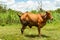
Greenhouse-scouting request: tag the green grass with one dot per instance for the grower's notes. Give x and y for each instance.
(12, 32)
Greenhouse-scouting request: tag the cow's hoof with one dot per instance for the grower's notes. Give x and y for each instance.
(39, 35)
(30, 26)
(21, 32)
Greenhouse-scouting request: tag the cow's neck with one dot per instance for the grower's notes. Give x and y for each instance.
(45, 18)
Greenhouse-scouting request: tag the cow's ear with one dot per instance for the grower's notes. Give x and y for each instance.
(45, 16)
(47, 12)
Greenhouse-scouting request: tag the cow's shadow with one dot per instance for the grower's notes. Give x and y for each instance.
(33, 36)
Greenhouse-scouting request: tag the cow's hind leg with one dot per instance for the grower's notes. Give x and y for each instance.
(22, 29)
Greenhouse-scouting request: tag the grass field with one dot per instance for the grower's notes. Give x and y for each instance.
(12, 32)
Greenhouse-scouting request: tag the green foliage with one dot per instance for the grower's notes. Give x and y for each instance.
(41, 10)
(58, 10)
(34, 11)
(8, 17)
(2, 8)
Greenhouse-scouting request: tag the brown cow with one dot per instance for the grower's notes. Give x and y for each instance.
(38, 20)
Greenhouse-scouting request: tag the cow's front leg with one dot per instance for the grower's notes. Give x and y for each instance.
(30, 26)
(22, 29)
(39, 31)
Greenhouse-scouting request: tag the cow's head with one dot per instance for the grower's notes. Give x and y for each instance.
(49, 16)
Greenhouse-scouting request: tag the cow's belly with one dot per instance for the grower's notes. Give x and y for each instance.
(32, 24)
(36, 24)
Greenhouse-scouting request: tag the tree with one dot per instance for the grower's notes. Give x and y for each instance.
(34, 11)
(40, 5)
(2, 7)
